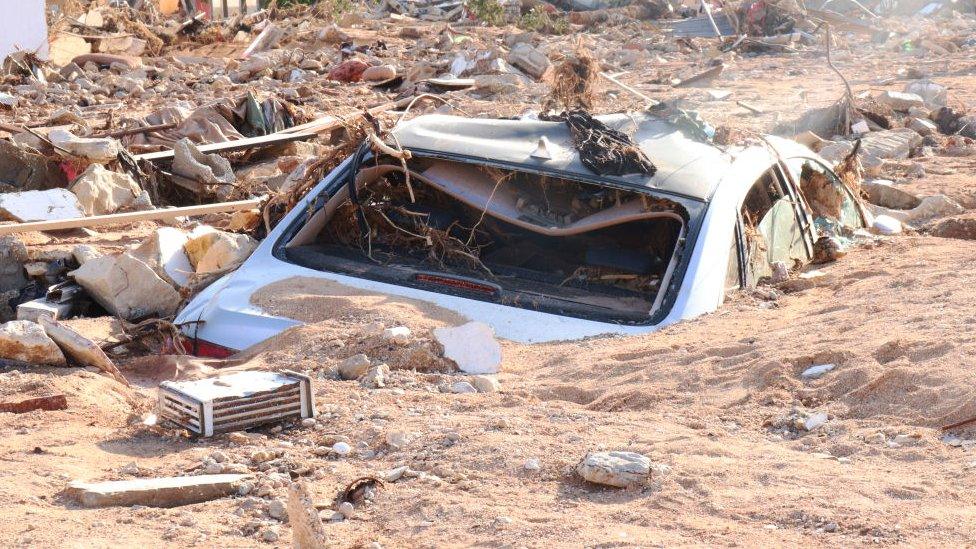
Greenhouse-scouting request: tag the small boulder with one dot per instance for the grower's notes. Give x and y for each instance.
(900, 101)
(934, 95)
(379, 73)
(127, 287)
(27, 342)
(354, 367)
(619, 469)
(218, 251)
(48, 205)
(529, 59)
(163, 252)
(462, 387)
(101, 191)
(923, 126)
(485, 384)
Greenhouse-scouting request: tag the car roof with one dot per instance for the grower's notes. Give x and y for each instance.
(684, 166)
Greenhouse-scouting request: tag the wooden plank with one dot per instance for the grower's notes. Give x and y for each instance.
(154, 492)
(130, 217)
(231, 146)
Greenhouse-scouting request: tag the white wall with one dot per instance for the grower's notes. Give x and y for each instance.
(23, 27)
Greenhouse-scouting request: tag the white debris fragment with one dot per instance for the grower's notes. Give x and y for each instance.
(472, 346)
(814, 372)
(815, 421)
(399, 335)
(886, 225)
(342, 448)
(620, 469)
(46, 205)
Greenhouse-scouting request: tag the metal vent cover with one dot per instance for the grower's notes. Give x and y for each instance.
(236, 402)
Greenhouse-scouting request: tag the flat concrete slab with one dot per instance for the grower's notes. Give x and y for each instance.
(154, 492)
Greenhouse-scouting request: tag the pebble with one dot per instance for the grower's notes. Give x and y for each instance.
(269, 535)
(346, 509)
(485, 384)
(532, 464)
(342, 448)
(814, 372)
(463, 387)
(399, 335)
(815, 421)
(276, 509)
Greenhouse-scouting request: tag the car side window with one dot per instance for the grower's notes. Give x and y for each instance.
(825, 194)
(772, 231)
(733, 275)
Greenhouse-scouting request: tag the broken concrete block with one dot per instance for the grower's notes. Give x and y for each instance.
(65, 47)
(934, 95)
(80, 348)
(472, 347)
(13, 255)
(47, 403)
(219, 251)
(163, 251)
(498, 83)
(155, 492)
(127, 287)
(35, 309)
(900, 101)
(307, 529)
(835, 151)
(83, 253)
(211, 170)
(26, 341)
(883, 193)
(923, 126)
(101, 191)
(40, 206)
(95, 149)
(619, 469)
(529, 59)
(890, 144)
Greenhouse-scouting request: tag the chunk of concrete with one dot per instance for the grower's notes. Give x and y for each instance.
(900, 101)
(472, 347)
(101, 191)
(618, 469)
(40, 206)
(80, 348)
(163, 252)
(33, 310)
(890, 144)
(155, 492)
(883, 193)
(934, 95)
(26, 341)
(127, 287)
(219, 251)
(211, 170)
(101, 149)
(923, 126)
(46, 403)
(835, 151)
(308, 532)
(529, 59)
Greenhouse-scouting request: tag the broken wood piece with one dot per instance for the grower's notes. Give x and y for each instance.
(135, 131)
(154, 492)
(307, 529)
(232, 146)
(48, 403)
(625, 87)
(80, 348)
(130, 217)
(701, 77)
(750, 107)
(265, 39)
(329, 123)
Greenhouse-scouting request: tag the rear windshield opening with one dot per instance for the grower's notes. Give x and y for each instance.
(513, 238)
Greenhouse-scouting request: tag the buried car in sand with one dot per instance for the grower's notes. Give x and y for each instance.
(501, 222)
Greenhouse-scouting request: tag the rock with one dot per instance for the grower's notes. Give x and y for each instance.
(932, 94)
(27, 342)
(164, 252)
(930, 207)
(814, 372)
(354, 367)
(815, 421)
(84, 253)
(83, 350)
(379, 73)
(342, 448)
(244, 220)
(13, 255)
(399, 335)
(619, 469)
(882, 193)
(276, 509)
(350, 70)
(269, 535)
(886, 225)
(963, 227)
(127, 287)
(398, 439)
(900, 101)
(923, 126)
(307, 529)
(375, 378)
(498, 83)
(154, 492)
(211, 170)
(532, 464)
(461, 387)
(101, 191)
(485, 384)
(890, 144)
(780, 272)
(529, 59)
(94, 149)
(46, 205)
(347, 509)
(218, 251)
(472, 347)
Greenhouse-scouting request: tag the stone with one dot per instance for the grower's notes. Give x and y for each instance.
(923, 126)
(13, 255)
(815, 421)
(276, 509)
(780, 272)
(930, 207)
(269, 535)
(532, 464)
(34, 309)
(814, 372)
(498, 83)
(485, 384)
(211, 170)
(461, 387)
(398, 439)
(472, 347)
(83, 350)
(900, 101)
(164, 252)
(127, 287)
(48, 205)
(354, 367)
(218, 251)
(932, 94)
(618, 469)
(341, 448)
(27, 342)
(886, 225)
(307, 529)
(347, 509)
(94, 149)
(379, 73)
(154, 492)
(882, 192)
(893, 144)
(529, 59)
(399, 335)
(375, 377)
(84, 253)
(101, 191)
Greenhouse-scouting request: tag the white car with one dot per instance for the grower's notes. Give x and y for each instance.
(501, 222)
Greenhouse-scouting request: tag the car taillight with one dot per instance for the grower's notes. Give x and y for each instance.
(205, 349)
(457, 283)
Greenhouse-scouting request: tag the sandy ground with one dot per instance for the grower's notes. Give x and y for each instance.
(712, 401)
